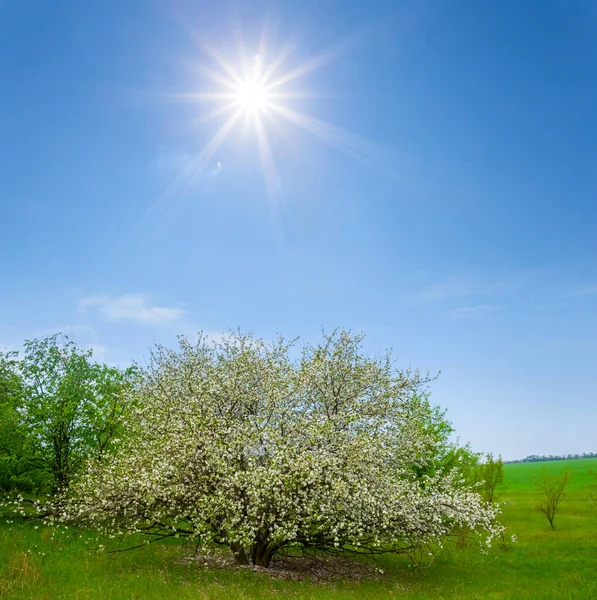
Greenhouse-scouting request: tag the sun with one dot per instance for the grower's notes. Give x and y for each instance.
(261, 90)
(252, 96)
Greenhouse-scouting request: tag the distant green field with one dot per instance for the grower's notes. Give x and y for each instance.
(556, 565)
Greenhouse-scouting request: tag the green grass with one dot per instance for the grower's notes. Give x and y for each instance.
(560, 564)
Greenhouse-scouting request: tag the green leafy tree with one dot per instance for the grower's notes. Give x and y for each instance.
(444, 453)
(105, 410)
(241, 445)
(56, 376)
(14, 457)
(10, 397)
(489, 474)
(552, 488)
(69, 408)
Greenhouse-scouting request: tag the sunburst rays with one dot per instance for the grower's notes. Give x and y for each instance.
(258, 90)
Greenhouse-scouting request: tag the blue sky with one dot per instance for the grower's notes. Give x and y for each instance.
(446, 206)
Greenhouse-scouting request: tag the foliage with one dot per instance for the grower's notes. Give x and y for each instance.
(489, 474)
(17, 469)
(551, 457)
(59, 408)
(443, 454)
(239, 444)
(552, 488)
(35, 565)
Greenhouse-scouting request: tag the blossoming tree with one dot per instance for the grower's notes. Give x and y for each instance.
(258, 447)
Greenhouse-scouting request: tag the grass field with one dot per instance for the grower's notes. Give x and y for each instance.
(558, 565)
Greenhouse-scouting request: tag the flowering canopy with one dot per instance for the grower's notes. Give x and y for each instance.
(240, 444)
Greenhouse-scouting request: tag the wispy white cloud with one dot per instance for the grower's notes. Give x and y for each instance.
(99, 350)
(471, 287)
(458, 287)
(132, 307)
(479, 312)
(84, 336)
(81, 334)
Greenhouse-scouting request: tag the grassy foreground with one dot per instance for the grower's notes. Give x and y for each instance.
(559, 564)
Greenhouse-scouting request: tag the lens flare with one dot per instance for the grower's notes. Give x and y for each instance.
(258, 91)
(252, 96)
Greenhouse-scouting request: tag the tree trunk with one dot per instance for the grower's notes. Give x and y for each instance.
(262, 554)
(239, 554)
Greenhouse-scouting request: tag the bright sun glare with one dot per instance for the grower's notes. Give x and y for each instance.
(252, 96)
(258, 90)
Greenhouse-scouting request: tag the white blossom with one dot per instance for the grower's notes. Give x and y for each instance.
(239, 444)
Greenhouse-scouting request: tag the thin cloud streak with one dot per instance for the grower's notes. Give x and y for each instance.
(480, 312)
(132, 307)
(477, 284)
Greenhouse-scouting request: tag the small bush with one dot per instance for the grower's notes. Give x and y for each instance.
(552, 488)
